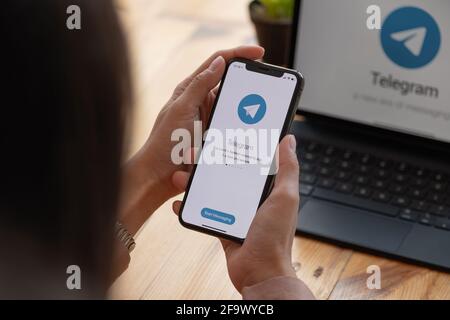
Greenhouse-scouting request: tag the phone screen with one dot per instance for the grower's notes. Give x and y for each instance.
(239, 148)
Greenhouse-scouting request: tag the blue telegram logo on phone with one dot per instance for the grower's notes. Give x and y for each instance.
(252, 109)
(410, 37)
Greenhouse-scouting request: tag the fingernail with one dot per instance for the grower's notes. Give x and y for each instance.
(292, 143)
(216, 63)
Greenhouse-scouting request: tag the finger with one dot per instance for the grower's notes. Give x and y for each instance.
(280, 210)
(229, 246)
(205, 110)
(189, 155)
(288, 172)
(214, 92)
(197, 91)
(192, 154)
(176, 206)
(180, 180)
(248, 52)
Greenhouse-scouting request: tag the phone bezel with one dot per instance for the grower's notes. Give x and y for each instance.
(263, 68)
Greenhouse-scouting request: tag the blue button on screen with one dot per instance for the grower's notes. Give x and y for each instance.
(218, 216)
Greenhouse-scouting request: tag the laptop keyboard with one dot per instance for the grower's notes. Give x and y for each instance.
(396, 189)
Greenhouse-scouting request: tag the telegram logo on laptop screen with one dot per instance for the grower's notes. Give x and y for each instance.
(395, 78)
(410, 37)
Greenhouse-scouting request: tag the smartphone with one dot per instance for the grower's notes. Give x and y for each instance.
(232, 177)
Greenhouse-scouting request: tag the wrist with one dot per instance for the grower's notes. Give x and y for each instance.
(142, 193)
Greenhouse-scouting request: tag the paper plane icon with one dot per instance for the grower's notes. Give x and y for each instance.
(252, 110)
(413, 39)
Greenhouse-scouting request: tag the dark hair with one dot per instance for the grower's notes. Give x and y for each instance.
(62, 129)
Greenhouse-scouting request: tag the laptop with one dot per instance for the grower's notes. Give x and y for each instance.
(374, 146)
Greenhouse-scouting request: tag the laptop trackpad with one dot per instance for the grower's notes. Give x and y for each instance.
(427, 244)
(352, 225)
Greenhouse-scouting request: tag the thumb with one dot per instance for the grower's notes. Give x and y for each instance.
(199, 88)
(278, 214)
(288, 172)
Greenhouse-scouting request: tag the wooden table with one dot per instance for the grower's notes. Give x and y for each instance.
(168, 39)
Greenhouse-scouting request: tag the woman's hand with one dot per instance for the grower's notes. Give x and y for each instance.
(147, 175)
(266, 252)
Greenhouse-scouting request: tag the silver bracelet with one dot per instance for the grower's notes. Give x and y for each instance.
(125, 237)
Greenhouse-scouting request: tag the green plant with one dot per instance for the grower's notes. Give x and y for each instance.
(278, 9)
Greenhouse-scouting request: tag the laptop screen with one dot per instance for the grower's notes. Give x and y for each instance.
(397, 77)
